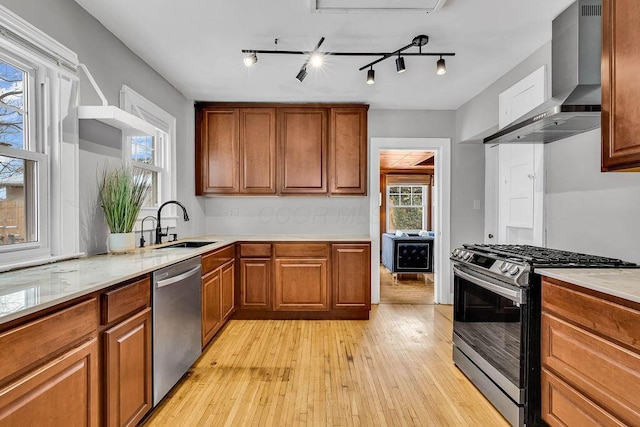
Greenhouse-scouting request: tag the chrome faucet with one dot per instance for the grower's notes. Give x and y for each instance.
(142, 240)
(159, 233)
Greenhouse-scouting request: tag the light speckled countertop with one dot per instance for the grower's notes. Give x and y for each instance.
(619, 282)
(32, 289)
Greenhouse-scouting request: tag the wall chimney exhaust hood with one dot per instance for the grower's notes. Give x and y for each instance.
(576, 100)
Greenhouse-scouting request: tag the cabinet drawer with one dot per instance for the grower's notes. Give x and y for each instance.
(302, 250)
(606, 373)
(46, 336)
(604, 317)
(562, 405)
(213, 260)
(125, 300)
(259, 250)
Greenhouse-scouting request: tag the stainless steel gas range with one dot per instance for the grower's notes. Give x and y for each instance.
(496, 327)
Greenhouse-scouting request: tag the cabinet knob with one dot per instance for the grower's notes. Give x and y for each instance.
(490, 236)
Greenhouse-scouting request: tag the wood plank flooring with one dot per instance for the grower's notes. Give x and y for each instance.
(392, 370)
(412, 291)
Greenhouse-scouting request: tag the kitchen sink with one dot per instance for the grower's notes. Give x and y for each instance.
(188, 244)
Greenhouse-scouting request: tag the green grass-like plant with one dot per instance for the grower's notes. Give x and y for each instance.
(121, 192)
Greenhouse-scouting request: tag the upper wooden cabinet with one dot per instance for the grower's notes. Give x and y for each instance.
(302, 138)
(235, 151)
(620, 88)
(348, 151)
(287, 149)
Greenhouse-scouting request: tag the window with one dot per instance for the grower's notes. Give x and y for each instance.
(406, 207)
(153, 155)
(38, 146)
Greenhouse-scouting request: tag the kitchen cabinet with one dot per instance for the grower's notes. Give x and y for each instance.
(302, 140)
(620, 89)
(590, 355)
(218, 283)
(351, 276)
(301, 277)
(285, 149)
(50, 376)
(126, 314)
(235, 150)
(255, 276)
(348, 151)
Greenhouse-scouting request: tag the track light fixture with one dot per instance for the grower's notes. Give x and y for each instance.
(315, 57)
(400, 68)
(250, 59)
(441, 67)
(371, 76)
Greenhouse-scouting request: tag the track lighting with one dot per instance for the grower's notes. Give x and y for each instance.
(371, 76)
(441, 67)
(302, 74)
(400, 68)
(315, 58)
(250, 59)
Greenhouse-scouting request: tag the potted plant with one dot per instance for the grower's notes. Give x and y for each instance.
(121, 192)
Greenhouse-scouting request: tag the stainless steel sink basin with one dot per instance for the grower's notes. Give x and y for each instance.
(188, 244)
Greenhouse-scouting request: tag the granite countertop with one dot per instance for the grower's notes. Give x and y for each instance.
(619, 282)
(29, 290)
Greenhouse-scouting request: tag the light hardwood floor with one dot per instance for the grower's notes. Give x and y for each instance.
(393, 370)
(405, 291)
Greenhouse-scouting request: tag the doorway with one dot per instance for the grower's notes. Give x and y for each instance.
(406, 227)
(440, 220)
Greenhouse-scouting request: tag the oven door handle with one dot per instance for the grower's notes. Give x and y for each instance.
(511, 294)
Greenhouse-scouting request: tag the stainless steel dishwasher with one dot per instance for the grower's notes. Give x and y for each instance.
(177, 302)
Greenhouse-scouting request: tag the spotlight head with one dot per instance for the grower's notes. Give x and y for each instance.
(371, 76)
(400, 68)
(301, 74)
(250, 59)
(441, 67)
(316, 59)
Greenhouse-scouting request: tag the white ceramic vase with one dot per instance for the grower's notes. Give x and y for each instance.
(120, 243)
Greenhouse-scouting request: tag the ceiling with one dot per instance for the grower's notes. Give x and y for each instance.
(196, 45)
(406, 160)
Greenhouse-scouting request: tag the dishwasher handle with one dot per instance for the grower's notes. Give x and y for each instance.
(178, 278)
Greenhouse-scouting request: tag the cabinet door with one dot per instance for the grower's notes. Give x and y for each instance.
(227, 274)
(255, 283)
(351, 276)
(620, 89)
(258, 150)
(61, 393)
(128, 370)
(211, 305)
(302, 139)
(348, 151)
(301, 284)
(217, 151)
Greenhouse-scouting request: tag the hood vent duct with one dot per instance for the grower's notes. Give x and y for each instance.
(575, 105)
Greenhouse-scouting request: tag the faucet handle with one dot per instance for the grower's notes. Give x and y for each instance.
(174, 237)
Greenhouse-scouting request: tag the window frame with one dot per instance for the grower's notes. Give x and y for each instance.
(165, 141)
(52, 140)
(390, 206)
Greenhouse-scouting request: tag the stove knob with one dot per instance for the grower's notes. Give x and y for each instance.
(504, 267)
(514, 270)
(455, 253)
(468, 255)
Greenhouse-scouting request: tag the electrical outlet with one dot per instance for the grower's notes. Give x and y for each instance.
(233, 212)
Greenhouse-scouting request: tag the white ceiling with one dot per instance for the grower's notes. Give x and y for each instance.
(196, 45)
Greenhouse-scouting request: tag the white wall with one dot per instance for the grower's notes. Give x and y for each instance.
(113, 64)
(587, 210)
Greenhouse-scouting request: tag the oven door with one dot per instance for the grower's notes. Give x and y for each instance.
(490, 324)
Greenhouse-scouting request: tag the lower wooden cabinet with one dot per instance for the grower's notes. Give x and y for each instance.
(218, 301)
(351, 276)
(301, 284)
(255, 283)
(64, 392)
(128, 370)
(590, 354)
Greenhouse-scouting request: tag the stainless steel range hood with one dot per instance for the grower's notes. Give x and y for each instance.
(575, 80)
